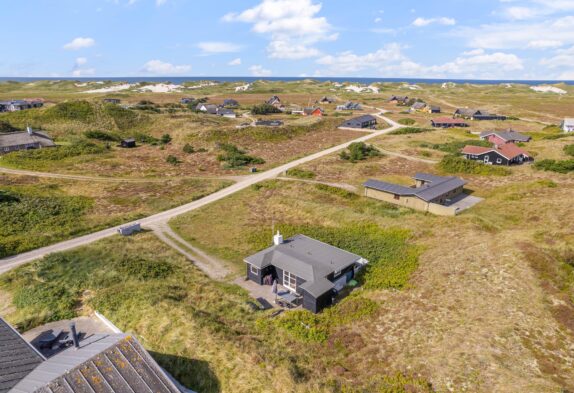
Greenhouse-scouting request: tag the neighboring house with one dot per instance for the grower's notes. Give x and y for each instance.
(431, 193)
(224, 112)
(315, 270)
(477, 114)
(433, 109)
(505, 154)
(400, 100)
(350, 106)
(275, 101)
(448, 122)
(186, 100)
(231, 103)
(366, 121)
(24, 140)
(269, 123)
(128, 143)
(18, 358)
(112, 100)
(567, 125)
(500, 137)
(20, 105)
(318, 112)
(207, 108)
(418, 106)
(106, 363)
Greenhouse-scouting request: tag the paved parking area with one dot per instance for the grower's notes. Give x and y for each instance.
(464, 202)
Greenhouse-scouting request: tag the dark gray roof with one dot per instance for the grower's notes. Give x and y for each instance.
(24, 138)
(435, 108)
(103, 363)
(362, 119)
(307, 258)
(471, 112)
(17, 357)
(435, 187)
(509, 136)
(419, 105)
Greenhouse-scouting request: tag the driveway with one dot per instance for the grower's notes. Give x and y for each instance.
(464, 201)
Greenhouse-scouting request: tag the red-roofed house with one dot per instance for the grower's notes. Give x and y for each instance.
(448, 122)
(505, 154)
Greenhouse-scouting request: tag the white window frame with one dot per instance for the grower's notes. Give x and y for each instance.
(288, 278)
(499, 160)
(254, 269)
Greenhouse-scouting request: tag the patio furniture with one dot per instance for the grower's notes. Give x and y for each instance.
(288, 300)
(49, 339)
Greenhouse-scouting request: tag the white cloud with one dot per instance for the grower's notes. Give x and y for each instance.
(159, 3)
(537, 8)
(292, 25)
(235, 62)
(563, 58)
(391, 61)
(257, 70)
(158, 67)
(544, 44)
(80, 61)
(421, 22)
(80, 43)
(218, 47)
(378, 20)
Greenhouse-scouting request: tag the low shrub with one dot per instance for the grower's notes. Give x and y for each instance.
(569, 149)
(173, 160)
(359, 151)
(233, 157)
(559, 166)
(410, 130)
(457, 165)
(301, 173)
(406, 122)
(264, 109)
(456, 146)
(188, 149)
(7, 127)
(102, 136)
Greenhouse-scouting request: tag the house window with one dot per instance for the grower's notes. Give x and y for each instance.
(397, 197)
(499, 160)
(289, 281)
(254, 270)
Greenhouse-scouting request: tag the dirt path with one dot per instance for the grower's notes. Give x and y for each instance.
(214, 268)
(12, 262)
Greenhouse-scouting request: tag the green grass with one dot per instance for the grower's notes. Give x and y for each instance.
(410, 130)
(559, 166)
(457, 165)
(301, 173)
(406, 122)
(456, 146)
(569, 150)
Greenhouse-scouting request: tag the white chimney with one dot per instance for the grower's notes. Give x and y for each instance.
(278, 239)
(29, 129)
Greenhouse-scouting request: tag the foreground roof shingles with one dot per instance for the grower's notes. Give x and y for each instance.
(17, 357)
(23, 138)
(103, 363)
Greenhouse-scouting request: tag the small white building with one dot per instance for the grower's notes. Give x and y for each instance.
(568, 125)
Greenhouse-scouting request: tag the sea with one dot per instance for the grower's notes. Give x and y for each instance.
(250, 79)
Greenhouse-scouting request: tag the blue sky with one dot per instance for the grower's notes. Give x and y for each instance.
(488, 39)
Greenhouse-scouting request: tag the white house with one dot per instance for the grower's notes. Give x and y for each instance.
(568, 125)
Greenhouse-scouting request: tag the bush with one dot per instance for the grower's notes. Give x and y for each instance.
(74, 110)
(188, 149)
(454, 165)
(264, 109)
(560, 166)
(406, 122)
(7, 127)
(569, 149)
(145, 269)
(410, 130)
(173, 160)
(102, 136)
(235, 157)
(301, 173)
(165, 139)
(359, 151)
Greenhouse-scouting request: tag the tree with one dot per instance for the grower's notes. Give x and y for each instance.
(264, 109)
(359, 151)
